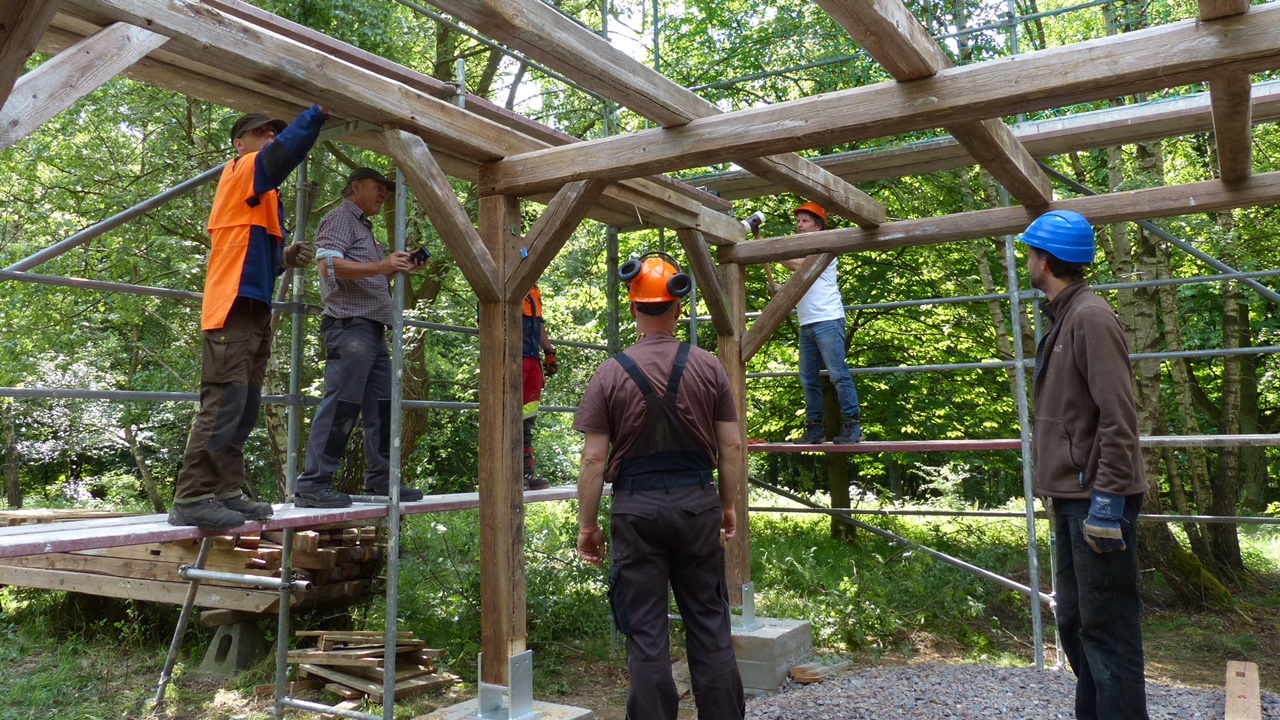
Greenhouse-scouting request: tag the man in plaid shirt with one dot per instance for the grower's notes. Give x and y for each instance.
(355, 282)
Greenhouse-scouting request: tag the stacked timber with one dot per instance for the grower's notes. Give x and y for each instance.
(340, 561)
(351, 664)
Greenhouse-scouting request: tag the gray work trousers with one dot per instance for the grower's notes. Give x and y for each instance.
(671, 538)
(357, 382)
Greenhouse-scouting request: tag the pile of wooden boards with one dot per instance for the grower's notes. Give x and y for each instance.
(350, 664)
(339, 560)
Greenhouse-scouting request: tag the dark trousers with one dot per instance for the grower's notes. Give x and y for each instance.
(672, 538)
(357, 382)
(1098, 615)
(233, 366)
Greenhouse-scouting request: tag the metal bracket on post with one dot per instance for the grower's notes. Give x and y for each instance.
(490, 701)
(749, 621)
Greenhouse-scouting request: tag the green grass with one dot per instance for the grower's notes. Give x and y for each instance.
(83, 658)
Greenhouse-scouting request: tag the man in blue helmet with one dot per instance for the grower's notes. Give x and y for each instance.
(1088, 467)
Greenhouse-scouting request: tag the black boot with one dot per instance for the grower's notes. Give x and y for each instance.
(207, 514)
(813, 435)
(249, 509)
(851, 432)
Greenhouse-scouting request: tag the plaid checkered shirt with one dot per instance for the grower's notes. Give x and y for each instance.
(346, 233)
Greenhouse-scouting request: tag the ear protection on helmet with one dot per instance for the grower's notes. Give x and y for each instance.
(654, 277)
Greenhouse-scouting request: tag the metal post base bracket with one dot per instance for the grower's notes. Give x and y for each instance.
(490, 701)
(749, 621)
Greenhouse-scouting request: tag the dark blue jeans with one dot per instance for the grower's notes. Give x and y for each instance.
(822, 343)
(357, 382)
(1098, 615)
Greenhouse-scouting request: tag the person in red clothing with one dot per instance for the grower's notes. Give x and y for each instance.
(246, 228)
(536, 370)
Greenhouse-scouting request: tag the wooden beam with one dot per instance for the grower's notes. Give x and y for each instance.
(174, 593)
(552, 230)
(502, 578)
(737, 553)
(59, 83)
(1055, 136)
(236, 51)
(704, 272)
(780, 307)
(441, 204)
(22, 22)
(1193, 198)
(795, 174)
(1244, 701)
(1214, 9)
(1233, 125)
(544, 34)
(1155, 58)
(893, 36)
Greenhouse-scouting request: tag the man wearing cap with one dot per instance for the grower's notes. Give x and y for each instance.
(659, 419)
(247, 253)
(355, 283)
(1088, 467)
(822, 332)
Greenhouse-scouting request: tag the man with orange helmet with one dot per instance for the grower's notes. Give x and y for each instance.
(822, 333)
(247, 253)
(667, 411)
(536, 370)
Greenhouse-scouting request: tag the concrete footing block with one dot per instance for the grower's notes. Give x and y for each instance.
(767, 652)
(549, 711)
(235, 647)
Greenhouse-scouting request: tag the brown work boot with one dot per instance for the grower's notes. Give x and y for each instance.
(249, 509)
(207, 514)
(533, 482)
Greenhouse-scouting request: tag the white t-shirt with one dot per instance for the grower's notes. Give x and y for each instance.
(823, 301)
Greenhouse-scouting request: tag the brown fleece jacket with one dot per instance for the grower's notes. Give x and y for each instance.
(1086, 421)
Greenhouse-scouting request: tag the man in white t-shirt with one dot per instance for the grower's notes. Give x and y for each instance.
(822, 343)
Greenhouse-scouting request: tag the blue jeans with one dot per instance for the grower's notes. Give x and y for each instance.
(822, 343)
(1098, 607)
(357, 382)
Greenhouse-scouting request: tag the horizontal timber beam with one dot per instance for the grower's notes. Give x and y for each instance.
(1125, 125)
(241, 60)
(541, 32)
(1151, 59)
(1172, 201)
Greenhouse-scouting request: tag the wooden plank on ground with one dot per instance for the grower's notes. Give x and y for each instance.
(174, 593)
(290, 688)
(1244, 702)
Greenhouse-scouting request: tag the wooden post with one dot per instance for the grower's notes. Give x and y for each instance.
(729, 347)
(502, 579)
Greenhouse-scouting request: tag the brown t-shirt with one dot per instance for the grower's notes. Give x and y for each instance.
(614, 406)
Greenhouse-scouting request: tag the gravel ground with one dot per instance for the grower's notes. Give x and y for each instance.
(935, 692)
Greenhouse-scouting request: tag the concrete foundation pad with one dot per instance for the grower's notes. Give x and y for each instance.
(235, 647)
(549, 711)
(767, 652)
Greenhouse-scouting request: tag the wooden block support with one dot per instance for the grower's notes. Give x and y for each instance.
(1244, 701)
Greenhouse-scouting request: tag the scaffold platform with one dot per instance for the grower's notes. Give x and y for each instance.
(892, 446)
(97, 533)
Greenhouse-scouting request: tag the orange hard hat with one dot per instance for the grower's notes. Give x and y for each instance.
(815, 208)
(654, 278)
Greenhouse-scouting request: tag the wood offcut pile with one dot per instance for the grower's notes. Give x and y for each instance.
(340, 561)
(350, 664)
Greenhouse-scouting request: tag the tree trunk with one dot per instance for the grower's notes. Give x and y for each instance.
(144, 470)
(12, 486)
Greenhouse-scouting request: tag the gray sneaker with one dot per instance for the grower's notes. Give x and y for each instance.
(249, 509)
(208, 514)
(322, 498)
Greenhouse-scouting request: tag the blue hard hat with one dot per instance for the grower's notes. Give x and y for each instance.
(1065, 234)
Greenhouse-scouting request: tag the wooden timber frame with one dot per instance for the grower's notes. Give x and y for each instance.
(229, 53)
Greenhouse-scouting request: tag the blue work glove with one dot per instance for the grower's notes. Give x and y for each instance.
(1102, 528)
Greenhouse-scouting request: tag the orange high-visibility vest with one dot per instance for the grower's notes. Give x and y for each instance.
(230, 222)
